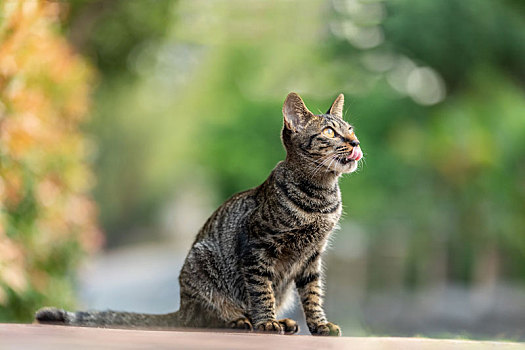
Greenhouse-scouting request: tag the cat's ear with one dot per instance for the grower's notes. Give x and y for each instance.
(295, 112)
(337, 106)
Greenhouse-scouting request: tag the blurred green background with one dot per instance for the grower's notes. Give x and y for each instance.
(185, 111)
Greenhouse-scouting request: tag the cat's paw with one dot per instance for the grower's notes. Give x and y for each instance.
(289, 326)
(271, 326)
(242, 323)
(327, 328)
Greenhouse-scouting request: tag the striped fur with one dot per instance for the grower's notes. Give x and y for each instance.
(261, 243)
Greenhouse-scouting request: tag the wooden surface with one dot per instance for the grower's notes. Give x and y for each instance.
(27, 337)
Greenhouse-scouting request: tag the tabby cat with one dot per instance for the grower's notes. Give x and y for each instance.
(242, 266)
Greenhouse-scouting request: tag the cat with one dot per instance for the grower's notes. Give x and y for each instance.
(248, 255)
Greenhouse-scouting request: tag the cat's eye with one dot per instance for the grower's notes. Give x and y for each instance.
(328, 132)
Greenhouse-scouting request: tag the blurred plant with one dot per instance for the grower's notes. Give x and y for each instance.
(196, 86)
(116, 36)
(446, 180)
(47, 219)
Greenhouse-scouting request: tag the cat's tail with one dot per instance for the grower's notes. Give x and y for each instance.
(106, 319)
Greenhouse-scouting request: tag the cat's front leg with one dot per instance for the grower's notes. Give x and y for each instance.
(261, 299)
(310, 290)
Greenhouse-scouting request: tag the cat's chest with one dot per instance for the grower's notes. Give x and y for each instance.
(311, 233)
(296, 245)
(294, 249)
(321, 223)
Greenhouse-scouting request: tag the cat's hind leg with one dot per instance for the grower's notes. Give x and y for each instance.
(199, 311)
(204, 287)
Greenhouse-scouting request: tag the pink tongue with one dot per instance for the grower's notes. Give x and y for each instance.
(359, 154)
(356, 154)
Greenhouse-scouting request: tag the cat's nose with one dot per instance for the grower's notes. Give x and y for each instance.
(354, 143)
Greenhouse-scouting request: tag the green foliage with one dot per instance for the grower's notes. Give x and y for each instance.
(108, 31)
(456, 36)
(117, 37)
(448, 175)
(446, 180)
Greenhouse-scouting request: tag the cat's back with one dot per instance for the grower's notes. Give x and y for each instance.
(229, 218)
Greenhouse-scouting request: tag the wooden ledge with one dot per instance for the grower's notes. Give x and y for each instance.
(43, 337)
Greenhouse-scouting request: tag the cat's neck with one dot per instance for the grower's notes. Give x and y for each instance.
(302, 170)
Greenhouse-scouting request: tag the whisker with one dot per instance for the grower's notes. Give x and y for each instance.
(328, 157)
(329, 165)
(318, 165)
(334, 157)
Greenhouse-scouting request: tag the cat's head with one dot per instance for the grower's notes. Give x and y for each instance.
(323, 142)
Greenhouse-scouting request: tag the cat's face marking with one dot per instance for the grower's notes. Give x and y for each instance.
(325, 141)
